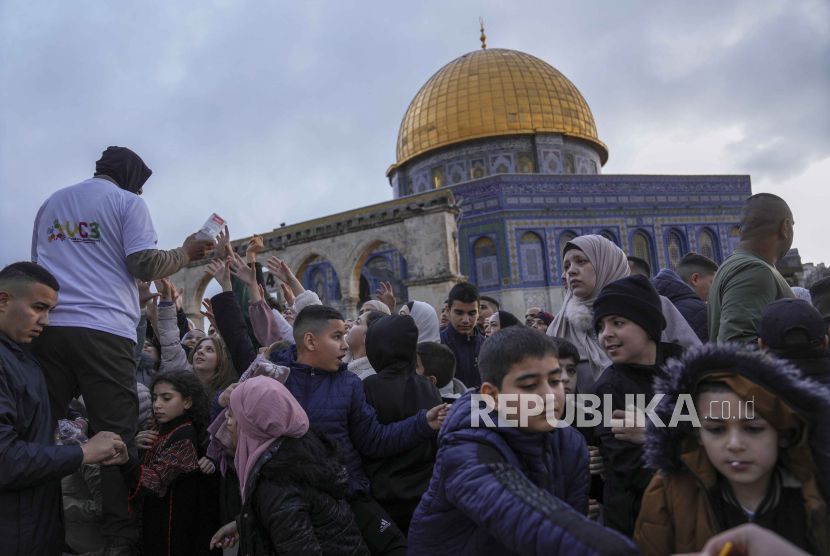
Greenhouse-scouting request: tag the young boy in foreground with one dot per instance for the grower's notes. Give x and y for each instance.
(511, 490)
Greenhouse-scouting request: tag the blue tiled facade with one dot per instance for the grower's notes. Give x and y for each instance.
(697, 213)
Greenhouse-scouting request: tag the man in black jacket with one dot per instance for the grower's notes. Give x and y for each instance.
(462, 336)
(31, 466)
(396, 392)
(688, 290)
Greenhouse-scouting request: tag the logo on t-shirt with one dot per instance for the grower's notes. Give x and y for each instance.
(84, 232)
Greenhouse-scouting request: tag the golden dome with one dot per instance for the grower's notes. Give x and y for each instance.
(493, 92)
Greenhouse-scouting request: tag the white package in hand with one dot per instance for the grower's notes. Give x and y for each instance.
(212, 227)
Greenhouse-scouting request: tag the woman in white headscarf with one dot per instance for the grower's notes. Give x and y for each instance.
(591, 262)
(426, 319)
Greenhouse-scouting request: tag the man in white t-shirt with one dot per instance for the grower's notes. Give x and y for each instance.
(97, 238)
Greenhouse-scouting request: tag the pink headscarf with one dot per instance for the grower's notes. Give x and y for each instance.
(574, 322)
(264, 411)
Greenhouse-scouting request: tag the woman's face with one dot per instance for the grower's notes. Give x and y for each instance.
(580, 274)
(205, 358)
(356, 337)
(231, 425)
(492, 325)
(289, 316)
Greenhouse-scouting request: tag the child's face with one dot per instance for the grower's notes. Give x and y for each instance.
(463, 316)
(356, 335)
(328, 348)
(568, 365)
(205, 358)
(626, 342)
(540, 377)
(741, 445)
(151, 350)
(231, 426)
(168, 403)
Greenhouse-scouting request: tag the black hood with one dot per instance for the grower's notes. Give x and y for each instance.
(125, 167)
(391, 344)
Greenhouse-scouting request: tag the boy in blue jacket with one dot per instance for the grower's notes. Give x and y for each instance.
(500, 489)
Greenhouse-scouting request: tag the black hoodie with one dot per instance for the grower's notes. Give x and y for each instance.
(398, 392)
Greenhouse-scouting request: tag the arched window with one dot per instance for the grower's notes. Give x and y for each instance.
(486, 262)
(531, 255)
(706, 244)
(609, 235)
(641, 247)
(675, 248)
(320, 277)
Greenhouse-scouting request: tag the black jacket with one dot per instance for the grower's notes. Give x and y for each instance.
(31, 466)
(691, 306)
(398, 392)
(466, 350)
(814, 363)
(626, 477)
(295, 502)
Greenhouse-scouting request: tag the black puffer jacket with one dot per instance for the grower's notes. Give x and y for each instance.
(397, 392)
(295, 502)
(693, 308)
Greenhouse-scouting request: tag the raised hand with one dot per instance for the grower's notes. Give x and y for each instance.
(386, 295)
(208, 312)
(195, 248)
(242, 271)
(255, 245)
(278, 268)
(166, 289)
(436, 416)
(144, 293)
(221, 272)
(288, 295)
(223, 243)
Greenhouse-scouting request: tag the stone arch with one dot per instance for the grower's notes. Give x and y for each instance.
(318, 274)
(361, 282)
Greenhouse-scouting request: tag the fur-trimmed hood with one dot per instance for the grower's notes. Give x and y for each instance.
(809, 399)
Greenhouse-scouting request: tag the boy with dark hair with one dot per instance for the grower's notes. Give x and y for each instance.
(335, 402)
(32, 466)
(792, 329)
(698, 272)
(629, 323)
(486, 307)
(461, 335)
(639, 266)
(688, 290)
(498, 489)
(437, 363)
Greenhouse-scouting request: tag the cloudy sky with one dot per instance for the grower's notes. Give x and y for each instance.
(270, 112)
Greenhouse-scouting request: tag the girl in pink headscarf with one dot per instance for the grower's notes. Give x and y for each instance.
(293, 485)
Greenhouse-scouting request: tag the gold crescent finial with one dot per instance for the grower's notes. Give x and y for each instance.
(483, 37)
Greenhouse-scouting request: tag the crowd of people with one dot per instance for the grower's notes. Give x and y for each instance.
(286, 428)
